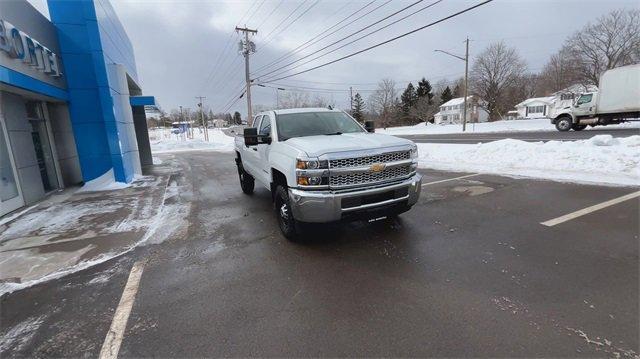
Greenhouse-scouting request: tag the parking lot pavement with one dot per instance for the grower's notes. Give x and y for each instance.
(469, 271)
(551, 135)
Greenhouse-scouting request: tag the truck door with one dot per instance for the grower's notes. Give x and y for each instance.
(263, 151)
(585, 106)
(250, 157)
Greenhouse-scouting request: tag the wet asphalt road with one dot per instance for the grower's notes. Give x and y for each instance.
(551, 135)
(469, 271)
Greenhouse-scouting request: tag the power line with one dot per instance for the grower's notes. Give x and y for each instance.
(237, 95)
(255, 11)
(292, 22)
(356, 40)
(271, 13)
(297, 49)
(285, 19)
(346, 37)
(219, 61)
(385, 42)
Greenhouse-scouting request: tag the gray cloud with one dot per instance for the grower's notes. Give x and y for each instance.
(178, 42)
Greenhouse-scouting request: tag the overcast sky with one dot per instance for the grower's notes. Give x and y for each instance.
(177, 43)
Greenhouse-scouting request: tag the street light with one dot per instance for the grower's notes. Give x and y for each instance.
(466, 80)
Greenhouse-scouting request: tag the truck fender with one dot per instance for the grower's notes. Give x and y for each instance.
(281, 162)
(564, 114)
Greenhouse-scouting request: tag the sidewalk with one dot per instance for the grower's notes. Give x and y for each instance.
(73, 229)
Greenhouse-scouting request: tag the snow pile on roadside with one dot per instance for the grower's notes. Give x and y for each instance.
(488, 127)
(163, 141)
(602, 159)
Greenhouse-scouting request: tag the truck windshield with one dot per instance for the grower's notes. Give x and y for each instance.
(314, 124)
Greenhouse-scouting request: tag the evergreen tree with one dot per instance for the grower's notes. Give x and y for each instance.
(457, 91)
(408, 99)
(446, 95)
(227, 117)
(424, 89)
(237, 119)
(357, 107)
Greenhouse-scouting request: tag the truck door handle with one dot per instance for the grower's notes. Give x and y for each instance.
(254, 148)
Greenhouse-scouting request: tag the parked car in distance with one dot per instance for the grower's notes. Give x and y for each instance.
(321, 165)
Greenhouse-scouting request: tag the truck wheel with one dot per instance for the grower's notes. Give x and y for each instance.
(563, 124)
(577, 127)
(247, 183)
(288, 225)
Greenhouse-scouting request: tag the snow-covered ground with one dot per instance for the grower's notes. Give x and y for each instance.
(487, 127)
(602, 159)
(163, 141)
(78, 228)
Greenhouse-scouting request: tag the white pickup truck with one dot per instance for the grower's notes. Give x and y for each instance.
(321, 165)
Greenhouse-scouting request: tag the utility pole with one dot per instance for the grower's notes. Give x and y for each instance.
(182, 123)
(204, 125)
(247, 48)
(466, 85)
(466, 80)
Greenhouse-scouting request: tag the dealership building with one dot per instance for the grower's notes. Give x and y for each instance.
(71, 105)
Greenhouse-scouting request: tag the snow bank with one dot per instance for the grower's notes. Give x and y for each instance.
(488, 127)
(602, 159)
(106, 182)
(163, 141)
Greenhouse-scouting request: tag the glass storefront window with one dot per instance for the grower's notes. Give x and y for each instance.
(8, 185)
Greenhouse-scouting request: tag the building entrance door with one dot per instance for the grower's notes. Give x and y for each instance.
(10, 194)
(42, 146)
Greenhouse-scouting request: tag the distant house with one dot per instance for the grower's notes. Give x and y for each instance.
(536, 107)
(452, 111)
(217, 122)
(547, 107)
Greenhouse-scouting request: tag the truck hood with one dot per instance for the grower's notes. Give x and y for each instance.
(316, 146)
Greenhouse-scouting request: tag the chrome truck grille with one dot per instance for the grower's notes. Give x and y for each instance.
(357, 171)
(369, 160)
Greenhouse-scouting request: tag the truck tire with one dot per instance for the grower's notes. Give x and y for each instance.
(247, 182)
(289, 227)
(563, 124)
(577, 127)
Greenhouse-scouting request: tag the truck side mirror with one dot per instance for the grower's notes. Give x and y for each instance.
(369, 126)
(250, 136)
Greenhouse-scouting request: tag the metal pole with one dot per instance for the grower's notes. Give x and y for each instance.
(204, 125)
(182, 123)
(247, 48)
(466, 83)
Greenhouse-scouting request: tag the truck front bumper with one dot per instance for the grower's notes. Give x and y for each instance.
(329, 206)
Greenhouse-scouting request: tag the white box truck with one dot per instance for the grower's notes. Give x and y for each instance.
(616, 101)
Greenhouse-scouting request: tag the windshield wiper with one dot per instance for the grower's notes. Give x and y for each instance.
(333, 134)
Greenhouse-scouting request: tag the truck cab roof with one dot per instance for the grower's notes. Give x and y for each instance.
(303, 110)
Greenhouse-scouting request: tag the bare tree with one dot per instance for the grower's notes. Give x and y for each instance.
(558, 73)
(320, 101)
(612, 41)
(424, 111)
(495, 71)
(294, 99)
(382, 101)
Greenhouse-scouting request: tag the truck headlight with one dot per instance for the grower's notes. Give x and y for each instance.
(414, 152)
(311, 164)
(310, 181)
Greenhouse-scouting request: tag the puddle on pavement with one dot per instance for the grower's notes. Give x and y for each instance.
(472, 190)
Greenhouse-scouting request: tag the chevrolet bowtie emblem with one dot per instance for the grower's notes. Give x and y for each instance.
(378, 167)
